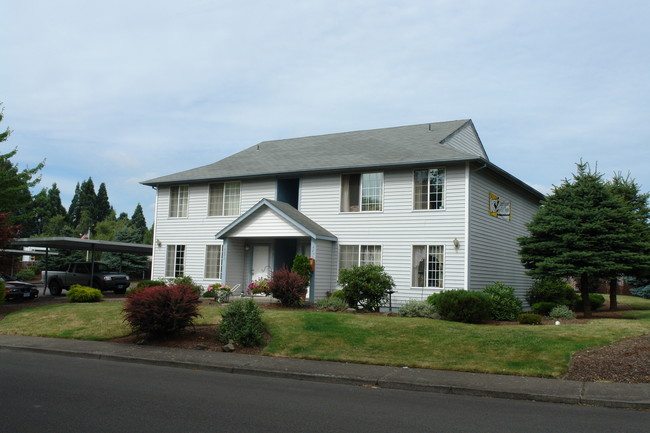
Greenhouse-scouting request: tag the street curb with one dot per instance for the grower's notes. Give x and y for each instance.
(609, 395)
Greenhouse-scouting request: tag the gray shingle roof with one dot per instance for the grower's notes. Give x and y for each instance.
(398, 146)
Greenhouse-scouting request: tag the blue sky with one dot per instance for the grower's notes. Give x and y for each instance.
(125, 91)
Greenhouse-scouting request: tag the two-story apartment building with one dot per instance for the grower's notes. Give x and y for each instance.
(424, 201)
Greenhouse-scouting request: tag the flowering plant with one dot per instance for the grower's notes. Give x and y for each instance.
(261, 285)
(219, 292)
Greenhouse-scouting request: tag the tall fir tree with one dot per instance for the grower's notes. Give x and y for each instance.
(54, 201)
(74, 211)
(103, 206)
(138, 223)
(581, 231)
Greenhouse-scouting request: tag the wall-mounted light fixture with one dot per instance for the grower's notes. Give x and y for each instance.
(456, 243)
(158, 243)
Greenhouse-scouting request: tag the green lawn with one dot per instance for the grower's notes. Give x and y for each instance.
(517, 349)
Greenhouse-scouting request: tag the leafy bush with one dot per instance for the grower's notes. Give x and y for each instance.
(143, 285)
(302, 266)
(462, 305)
(543, 308)
(529, 319)
(26, 274)
(596, 300)
(287, 286)
(641, 292)
(415, 308)
(365, 286)
(551, 290)
(3, 291)
(162, 310)
(78, 293)
(338, 294)
(185, 281)
(332, 304)
(242, 323)
(562, 312)
(505, 304)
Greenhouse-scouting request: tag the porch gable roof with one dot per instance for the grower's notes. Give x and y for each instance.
(288, 213)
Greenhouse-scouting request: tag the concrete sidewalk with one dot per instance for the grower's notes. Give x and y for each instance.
(616, 395)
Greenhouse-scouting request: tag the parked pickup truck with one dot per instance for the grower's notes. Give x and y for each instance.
(79, 273)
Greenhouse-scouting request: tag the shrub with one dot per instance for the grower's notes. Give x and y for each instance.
(143, 285)
(340, 295)
(641, 292)
(185, 281)
(26, 274)
(162, 310)
(365, 286)
(332, 304)
(462, 305)
(551, 290)
(287, 286)
(505, 304)
(562, 312)
(415, 308)
(529, 319)
(596, 300)
(242, 323)
(302, 266)
(78, 293)
(3, 291)
(543, 308)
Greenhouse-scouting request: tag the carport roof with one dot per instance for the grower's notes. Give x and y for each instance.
(84, 244)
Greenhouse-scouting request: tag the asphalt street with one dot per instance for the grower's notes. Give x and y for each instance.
(50, 393)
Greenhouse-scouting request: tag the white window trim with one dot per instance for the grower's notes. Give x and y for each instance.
(360, 211)
(426, 271)
(174, 260)
(381, 253)
(238, 212)
(219, 276)
(444, 191)
(187, 212)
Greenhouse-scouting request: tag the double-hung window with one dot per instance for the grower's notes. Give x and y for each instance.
(359, 255)
(224, 198)
(429, 189)
(178, 200)
(213, 262)
(428, 266)
(362, 192)
(175, 261)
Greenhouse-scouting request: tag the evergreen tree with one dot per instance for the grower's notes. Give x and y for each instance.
(74, 211)
(103, 206)
(54, 201)
(15, 184)
(130, 263)
(138, 223)
(580, 231)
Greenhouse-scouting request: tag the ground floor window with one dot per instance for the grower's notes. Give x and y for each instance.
(213, 262)
(359, 255)
(175, 261)
(428, 266)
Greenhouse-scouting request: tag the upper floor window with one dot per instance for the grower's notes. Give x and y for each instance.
(178, 199)
(223, 199)
(429, 189)
(362, 192)
(359, 255)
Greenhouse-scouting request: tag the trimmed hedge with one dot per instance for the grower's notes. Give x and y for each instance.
(505, 304)
(242, 323)
(366, 286)
(551, 290)
(529, 319)
(78, 293)
(462, 305)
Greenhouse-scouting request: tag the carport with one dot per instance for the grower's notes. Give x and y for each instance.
(91, 245)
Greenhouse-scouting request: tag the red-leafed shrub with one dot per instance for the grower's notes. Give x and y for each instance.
(162, 310)
(288, 287)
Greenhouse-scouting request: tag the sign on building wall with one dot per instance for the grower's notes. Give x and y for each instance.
(499, 208)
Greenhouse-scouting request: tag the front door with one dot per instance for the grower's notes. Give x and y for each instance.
(261, 263)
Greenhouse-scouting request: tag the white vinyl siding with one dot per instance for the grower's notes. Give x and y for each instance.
(175, 261)
(428, 266)
(362, 192)
(224, 199)
(493, 241)
(429, 189)
(178, 201)
(213, 262)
